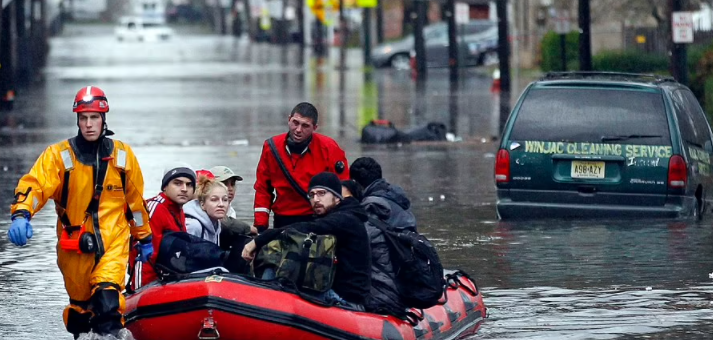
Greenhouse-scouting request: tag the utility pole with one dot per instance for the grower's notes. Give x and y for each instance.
(380, 22)
(504, 56)
(249, 19)
(7, 56)
(2, 46)
(585, 36)
(679, 68)
(343, 37)
(366, 28)
(301, 23)
(453, 59)
(24, 67)
(419, 43)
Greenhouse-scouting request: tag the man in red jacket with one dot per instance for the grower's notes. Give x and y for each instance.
(281, 187)
(166, 214)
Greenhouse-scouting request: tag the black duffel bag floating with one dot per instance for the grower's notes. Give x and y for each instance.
(382, 132)
(432, 131)
(183, 253)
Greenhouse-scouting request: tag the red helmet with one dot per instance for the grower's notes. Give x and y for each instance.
(205, 173)
(90, 99)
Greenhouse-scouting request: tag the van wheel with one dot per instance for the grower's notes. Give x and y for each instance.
(700, 207)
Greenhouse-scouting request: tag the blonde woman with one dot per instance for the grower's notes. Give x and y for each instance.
(211, 205)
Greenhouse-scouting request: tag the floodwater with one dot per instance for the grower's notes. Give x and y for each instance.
(210, 100)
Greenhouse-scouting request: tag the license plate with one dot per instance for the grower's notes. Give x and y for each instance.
(581, 169)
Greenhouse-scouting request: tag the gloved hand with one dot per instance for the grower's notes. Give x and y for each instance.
(145, 249)
(20, 231)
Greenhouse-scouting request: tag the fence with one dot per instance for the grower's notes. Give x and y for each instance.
(655, 41)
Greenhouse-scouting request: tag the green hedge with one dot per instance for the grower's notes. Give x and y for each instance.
(551, 57)
(630, 61)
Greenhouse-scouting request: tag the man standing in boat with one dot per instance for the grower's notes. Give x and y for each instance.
(166, 214)
(344, 218)
(97, 187)
(287, 164)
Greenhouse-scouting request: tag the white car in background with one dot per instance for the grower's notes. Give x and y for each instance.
(140, 29)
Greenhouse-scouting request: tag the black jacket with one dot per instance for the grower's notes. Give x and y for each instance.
(389, 204)
(346, 222)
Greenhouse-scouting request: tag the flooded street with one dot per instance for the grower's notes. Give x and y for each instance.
(210, 100)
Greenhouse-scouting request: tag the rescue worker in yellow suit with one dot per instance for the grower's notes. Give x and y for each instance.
(97, 187)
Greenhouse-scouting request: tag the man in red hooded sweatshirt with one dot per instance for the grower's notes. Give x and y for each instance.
(166, 214)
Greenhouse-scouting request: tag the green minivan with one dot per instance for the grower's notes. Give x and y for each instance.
(602, 144)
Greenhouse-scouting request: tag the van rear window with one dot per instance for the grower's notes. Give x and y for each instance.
(592, 115)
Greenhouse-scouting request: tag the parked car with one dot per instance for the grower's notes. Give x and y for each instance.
(396, 54)
(141, 29)
(604, 144)
(478, 46)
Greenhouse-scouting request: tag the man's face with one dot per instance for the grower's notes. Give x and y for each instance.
(179, 190)
(90, 125)
(301, 128)
(322, 201)
(230, 183)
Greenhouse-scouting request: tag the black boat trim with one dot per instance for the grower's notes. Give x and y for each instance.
(237, 308)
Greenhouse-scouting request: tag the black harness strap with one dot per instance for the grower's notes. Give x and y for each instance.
(129, 214)
(304, 260)
(93, 208)
(63, 203)
(293, 183)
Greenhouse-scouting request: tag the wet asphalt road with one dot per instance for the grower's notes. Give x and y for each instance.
(212, 100)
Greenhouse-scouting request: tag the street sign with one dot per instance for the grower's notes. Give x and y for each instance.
(562, 25)
(367, 3)
(682, 27)
(462, 13)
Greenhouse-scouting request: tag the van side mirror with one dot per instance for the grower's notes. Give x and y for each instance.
(708, 147)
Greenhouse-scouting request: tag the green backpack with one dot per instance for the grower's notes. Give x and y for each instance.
(308, 260)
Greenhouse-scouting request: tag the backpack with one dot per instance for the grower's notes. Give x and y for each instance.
(308, 260)
(432, 131)
(419, 273)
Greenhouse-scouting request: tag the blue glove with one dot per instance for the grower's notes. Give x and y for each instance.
(145, 249)
(20, 231)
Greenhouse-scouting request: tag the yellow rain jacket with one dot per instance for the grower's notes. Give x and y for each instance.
(45, 181)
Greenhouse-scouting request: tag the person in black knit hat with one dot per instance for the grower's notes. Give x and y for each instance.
(351, 188)
(344, 218)
(388, 203)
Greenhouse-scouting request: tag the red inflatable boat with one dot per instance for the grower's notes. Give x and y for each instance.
(234, 307)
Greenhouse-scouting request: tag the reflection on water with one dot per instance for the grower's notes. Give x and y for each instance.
(213, 100)
(557, 313)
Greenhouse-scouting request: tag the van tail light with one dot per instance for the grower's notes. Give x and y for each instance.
(502, 167)
(677, 172)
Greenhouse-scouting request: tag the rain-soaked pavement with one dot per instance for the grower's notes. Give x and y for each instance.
(211, 100)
